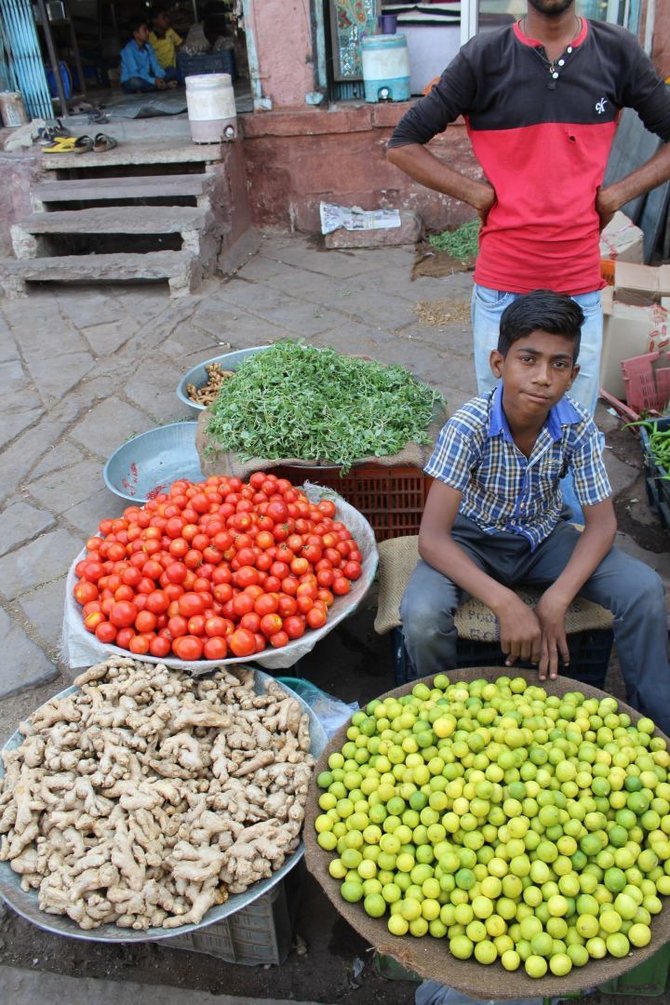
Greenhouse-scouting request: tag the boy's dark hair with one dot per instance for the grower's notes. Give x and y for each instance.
(541, 310)
(157, 11)
(136, 22)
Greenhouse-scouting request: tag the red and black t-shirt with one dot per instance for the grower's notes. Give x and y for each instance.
(543, 143)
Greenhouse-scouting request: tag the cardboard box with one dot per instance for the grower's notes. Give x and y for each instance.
(641, 284)
(621, 240)
(628, 330)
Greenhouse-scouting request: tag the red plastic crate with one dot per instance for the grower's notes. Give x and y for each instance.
(647, 384)
(391, 498)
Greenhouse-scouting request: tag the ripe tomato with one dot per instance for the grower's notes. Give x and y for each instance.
(316, 617)
(187, 647)
(341, 585)
(287, 605)
(92, 620)
(279, 639)
(243, 603)
(145, 621)
(196, 624)
(277, 511)
(267, 603)
(251, 621)
(215, 649)
(157, 602)
(270, 624)
(92, 571)
(177, 626)
(242, 642)
(139, 645)
(294, 626)
(216, 626)
(160, 646)
(352, 570)
(123, 614)
(105, 633)
(85, 591)
(191, 603)
(245, 576)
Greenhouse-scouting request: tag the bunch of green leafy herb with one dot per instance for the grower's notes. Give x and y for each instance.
(294, 400)
(461, 243)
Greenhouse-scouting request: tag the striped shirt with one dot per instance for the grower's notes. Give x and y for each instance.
(502, 489)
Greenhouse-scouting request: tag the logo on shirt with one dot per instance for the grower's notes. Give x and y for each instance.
(600, 106)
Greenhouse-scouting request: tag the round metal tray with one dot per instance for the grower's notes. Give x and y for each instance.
(25, 903)
(198, 374)
(81, 648)
(143, 467)
(429, 957)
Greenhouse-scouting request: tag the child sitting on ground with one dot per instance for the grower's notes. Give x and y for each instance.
(492, 519)
(140, 71)
(164, 39)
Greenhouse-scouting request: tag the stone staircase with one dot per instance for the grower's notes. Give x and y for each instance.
(152, 208)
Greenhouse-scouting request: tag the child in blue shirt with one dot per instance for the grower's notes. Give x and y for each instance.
(140, 70)
(493, 518)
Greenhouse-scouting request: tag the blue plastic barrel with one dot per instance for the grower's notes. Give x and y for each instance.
(66, 80)
(385, 68)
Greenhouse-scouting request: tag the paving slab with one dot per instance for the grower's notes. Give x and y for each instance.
(60, 491)
(26, 450)
(22, 522)
(57, 374)
(43, 608)
(16, 422)
(24, 664)
(59, 455)
(109, 424)
(42, 560)
(30, 987)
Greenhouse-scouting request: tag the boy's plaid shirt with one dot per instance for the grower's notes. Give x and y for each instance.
(503, 490)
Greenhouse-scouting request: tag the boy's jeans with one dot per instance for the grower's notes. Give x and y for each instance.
(488, 305)
(627, 587)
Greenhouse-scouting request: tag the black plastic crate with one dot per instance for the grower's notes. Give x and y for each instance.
(657, 478)
(589, 656)
(207, 62)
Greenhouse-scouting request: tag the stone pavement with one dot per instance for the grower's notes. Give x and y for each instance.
(85, 369)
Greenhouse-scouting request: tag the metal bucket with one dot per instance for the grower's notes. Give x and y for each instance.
(12, 109)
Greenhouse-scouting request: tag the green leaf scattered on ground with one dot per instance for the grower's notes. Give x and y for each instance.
(460, 243)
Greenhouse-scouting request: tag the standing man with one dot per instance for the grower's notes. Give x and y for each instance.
(541, 99)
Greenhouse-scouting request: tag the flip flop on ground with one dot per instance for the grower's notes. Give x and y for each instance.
(104, 142)
(61, 145)
(83, 145)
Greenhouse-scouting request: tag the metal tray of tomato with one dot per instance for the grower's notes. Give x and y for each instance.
(25, 902)
(80, 648)
(429, 957)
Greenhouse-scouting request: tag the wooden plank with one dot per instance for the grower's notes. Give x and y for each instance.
(115, 220)
(110, 189)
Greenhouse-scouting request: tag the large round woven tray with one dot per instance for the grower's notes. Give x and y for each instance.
(430, 958)
(25, 902)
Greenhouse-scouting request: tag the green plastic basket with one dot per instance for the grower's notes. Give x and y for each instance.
(647, 980)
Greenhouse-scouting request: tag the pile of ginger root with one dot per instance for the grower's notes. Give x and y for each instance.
(148, 796)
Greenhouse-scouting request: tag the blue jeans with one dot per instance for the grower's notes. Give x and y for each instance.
(138, 85)
(488, 305)
(630, 589)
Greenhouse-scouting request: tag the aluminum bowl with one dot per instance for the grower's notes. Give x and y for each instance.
(25, 902)
(148, 464)
(198, 375)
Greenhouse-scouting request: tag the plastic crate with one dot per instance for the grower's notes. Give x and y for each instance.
(391, 498)
(207, 62)
(259, 934)
(589, 656)
(646, 980)
(646, 382)
(657, 478)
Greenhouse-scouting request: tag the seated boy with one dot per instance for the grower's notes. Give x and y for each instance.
(164, 39)
(493, 518)
(140, 71)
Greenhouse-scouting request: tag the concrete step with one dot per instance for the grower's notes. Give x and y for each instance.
(129, 187)
(182, 269)
(114, 220)
(168, 150)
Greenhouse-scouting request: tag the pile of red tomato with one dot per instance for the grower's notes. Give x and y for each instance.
(216, 569)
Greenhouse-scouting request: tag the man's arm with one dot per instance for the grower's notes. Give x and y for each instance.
(423, 166)
(594, 543)
(519, 627)
(654, 172)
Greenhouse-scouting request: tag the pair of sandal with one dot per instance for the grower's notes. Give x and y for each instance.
(81, 145)
(48, 134)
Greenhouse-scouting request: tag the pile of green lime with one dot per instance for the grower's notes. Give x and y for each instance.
(521, 827)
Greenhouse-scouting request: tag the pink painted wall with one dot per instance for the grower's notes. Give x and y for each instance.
(283, 34)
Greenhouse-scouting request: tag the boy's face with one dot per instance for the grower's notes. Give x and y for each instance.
(162, 21)
(141, 34)
(536, 372)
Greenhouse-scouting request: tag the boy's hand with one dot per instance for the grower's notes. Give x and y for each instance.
(551, 615)
(520, 632)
